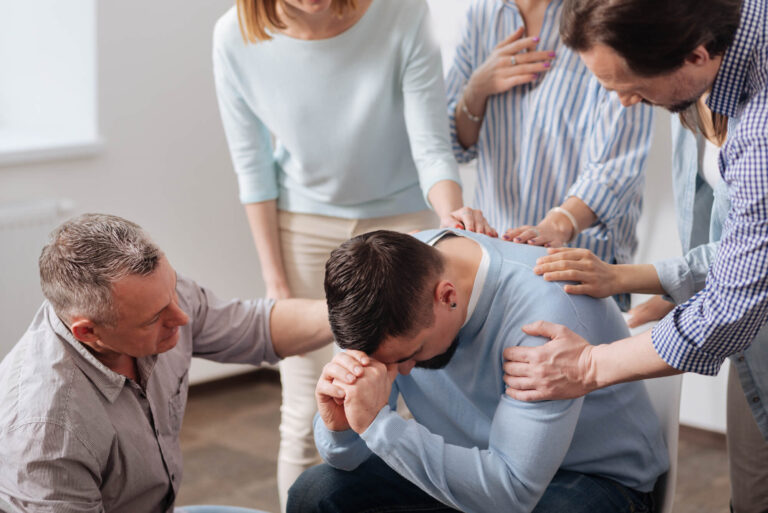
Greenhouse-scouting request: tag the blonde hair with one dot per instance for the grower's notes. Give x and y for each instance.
(258, 17)
(712, 125)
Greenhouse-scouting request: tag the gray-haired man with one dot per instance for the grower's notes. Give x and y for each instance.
(92, 396)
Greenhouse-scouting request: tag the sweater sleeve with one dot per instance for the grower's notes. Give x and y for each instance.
(249, 140)
(424, 104)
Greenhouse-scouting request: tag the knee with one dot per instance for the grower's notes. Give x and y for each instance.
(314, 491)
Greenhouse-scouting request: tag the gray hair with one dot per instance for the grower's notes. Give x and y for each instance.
(85, 256)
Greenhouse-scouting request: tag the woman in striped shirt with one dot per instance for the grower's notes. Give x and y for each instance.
(559, 159)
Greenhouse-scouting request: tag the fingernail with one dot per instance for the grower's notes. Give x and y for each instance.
(358, 370)
(536, 270)
(551, 54)
(350, 378)
(546, 64)
(516, 239)
(458, 226)
(536, 39)
(505, 237)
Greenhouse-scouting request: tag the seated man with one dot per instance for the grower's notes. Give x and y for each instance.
(93, 395)
(449, 306)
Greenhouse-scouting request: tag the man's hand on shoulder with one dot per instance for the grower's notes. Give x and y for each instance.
(344, 368)
(368, 395)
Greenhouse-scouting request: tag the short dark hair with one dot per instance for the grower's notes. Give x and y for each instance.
(380, 285)
(653, 36)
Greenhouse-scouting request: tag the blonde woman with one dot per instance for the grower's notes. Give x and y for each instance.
(351, 93)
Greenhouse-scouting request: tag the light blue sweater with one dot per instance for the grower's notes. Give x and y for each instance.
(359, 119)
(477, 450)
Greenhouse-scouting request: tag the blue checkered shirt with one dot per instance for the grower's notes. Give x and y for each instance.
(726, 315)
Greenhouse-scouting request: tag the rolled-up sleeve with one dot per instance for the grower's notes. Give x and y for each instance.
(684, 276)
(249, 140)
(725, 316)
(424, 104)
(612, 167)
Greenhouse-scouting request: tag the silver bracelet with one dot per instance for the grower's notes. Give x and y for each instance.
(561, 210)
(465, 110)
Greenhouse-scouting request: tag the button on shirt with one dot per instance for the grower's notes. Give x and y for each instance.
(725, 316)
(77, 437)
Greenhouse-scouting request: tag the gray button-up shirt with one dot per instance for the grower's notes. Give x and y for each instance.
(78, 437)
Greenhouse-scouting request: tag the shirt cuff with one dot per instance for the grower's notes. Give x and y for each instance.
(270, 356)
(386, 426)
(599, 197)
(257, 187)
(679, 349)
(675, 280)
(437, 172)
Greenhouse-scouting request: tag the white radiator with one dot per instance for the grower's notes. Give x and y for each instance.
(24, 230)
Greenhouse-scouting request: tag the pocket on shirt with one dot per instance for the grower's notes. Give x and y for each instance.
(177, 404)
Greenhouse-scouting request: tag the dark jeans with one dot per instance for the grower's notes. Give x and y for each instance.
(375, 488)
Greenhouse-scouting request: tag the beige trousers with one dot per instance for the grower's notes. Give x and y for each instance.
(306, 242)
(747, 453)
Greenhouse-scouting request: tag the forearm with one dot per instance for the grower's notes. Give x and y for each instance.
(298, 326)
(629, 359)
(637, 279)
(445, 197)
(474, 101)
(501, 477)
(262, 218)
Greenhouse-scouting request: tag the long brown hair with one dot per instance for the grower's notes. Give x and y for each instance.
(653, 36)
(259, 17)
(712, 125)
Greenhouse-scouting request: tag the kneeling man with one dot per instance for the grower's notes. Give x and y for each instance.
(428, 317)
(93, 395)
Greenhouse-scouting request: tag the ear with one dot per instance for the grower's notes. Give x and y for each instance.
(445, 293)
(84, 330)
(699, 56)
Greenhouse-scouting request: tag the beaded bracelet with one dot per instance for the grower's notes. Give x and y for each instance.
(470, 116)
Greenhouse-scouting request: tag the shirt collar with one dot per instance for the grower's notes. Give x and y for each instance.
(107, 381)
(730, 81)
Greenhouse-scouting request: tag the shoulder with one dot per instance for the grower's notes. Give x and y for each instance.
(226, 32)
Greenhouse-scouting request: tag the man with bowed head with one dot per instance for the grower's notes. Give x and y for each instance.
(438, 308)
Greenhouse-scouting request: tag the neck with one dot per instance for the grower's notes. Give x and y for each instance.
(322, 25)
(532, 12)
(462, 258)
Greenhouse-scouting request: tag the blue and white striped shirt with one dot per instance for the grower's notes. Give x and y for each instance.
(726, 315)
(562, 135)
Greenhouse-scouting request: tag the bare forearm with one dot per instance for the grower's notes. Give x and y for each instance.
(468, 130)
(298, 326)
(629, 359)
(445, 197)
(637, 279)
(262, 218)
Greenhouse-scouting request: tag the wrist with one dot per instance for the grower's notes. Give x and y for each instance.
(474, 97)
(561, 223)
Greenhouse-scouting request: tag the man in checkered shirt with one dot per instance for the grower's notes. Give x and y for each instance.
(709, 60)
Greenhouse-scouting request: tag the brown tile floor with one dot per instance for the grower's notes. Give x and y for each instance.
(230, 439)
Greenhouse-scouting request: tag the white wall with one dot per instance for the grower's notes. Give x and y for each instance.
(164, 163)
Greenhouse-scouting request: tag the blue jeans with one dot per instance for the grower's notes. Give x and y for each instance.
(375, 488)
(214, 509)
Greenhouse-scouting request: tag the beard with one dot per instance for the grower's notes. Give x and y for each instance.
(441, 360)
(675, 108)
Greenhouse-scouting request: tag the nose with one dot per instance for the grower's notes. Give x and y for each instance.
(406, 367)
(176, 316)
(629, 99)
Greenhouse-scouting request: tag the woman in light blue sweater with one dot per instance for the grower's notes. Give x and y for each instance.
(334, 112)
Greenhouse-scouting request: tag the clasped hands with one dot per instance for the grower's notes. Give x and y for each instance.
(352, 389)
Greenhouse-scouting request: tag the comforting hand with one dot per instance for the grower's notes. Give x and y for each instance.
(470, 219)
(510, 64)
(560, 369)
(344, 368)
(594, 277)
(368, 395)
(652, 310)
(543, 234)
